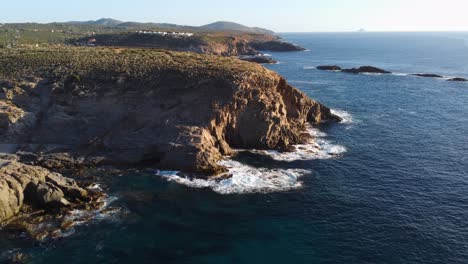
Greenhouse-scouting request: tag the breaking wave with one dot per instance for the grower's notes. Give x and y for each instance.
(346, 116)
(243, 178)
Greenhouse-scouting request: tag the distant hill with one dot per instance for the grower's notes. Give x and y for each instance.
(107, 22)
(231, 26)
(217, 26)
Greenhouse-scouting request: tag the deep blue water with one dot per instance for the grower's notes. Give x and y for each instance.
(398, 195)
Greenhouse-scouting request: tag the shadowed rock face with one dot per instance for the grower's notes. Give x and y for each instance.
(165, 109)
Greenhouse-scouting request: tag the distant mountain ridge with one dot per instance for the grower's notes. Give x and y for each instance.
(216, 26)
(226, 25)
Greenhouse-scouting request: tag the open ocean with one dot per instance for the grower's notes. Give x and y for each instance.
(388, 185)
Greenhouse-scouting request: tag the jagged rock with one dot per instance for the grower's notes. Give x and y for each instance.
(329, 68)
(36, 186)
(365, 69)
(427, 75)
(46, 195)
(458, 80)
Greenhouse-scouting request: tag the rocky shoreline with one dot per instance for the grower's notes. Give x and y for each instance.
(69, 109)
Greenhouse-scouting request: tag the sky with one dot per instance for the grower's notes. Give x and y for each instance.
(278, 15)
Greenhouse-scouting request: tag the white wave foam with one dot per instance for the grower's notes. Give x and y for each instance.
(371, 73)
(400, 74)
(247, 179)
(346, 116)
(267, 55)
(244, 179)
(318, 148)
(309, 68)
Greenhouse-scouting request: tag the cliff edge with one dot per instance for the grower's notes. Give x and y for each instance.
(169, 110)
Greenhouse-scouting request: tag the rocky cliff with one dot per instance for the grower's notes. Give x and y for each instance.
(215, 44)
(165, 109)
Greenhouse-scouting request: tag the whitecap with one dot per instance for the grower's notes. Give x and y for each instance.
(346, 117)
(309, 68)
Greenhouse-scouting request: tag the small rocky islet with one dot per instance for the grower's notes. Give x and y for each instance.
(65, 110)
(375, 70)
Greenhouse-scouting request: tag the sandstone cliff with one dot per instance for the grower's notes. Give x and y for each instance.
(163, 109)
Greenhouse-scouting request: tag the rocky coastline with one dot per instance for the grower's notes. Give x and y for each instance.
(68, 109)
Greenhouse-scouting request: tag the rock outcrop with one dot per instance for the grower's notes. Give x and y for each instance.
(329, 68)
(365, 69)
(258, 59)
(458, 79)
(275, 45)
(427, 75)
(165, 109)
(38, 187)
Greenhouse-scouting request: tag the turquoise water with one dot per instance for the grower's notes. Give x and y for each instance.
(389, 186)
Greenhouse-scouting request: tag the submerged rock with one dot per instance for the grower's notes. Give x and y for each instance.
(365, 69)
(164, 109)
(329, 68)
(427, 75)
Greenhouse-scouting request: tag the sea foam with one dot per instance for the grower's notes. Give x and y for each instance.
(346, 116)
(244, 179)
(248, 179)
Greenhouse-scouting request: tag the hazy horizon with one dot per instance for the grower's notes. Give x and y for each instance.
(297, 16)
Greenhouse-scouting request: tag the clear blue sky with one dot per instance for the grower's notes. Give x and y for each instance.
(279, 15)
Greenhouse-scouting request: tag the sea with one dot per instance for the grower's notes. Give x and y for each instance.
(387, 185)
